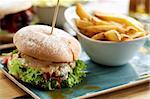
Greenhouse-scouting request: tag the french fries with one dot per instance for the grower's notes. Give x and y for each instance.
(81, 12)
(117, 24)
(100, 28)
(99, 36)
(97, 21)
(89, 34)
(131, 30)
(120, 19)
(113, 35)
(108, 27)
(125, 37)
(121, 30)
(82, 23)
(137, 35)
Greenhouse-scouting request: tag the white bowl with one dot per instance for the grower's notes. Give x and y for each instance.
(45, 15)
(105, 52)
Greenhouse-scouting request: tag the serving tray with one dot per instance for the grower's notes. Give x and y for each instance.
(100, 79)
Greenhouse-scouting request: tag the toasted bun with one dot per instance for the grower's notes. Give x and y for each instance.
(13, 6)
(38, 42)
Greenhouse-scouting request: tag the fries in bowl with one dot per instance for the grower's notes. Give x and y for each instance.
(108, 27)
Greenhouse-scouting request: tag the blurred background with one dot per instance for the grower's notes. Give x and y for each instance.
(42, 12)
(139, 9)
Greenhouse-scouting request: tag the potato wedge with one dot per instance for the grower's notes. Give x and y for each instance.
(81, 12)
(99, 36)
(88, 34)
(137, 35)
(100, 28)
(121, 30)
(97, 21)
(116, 23)
(131, 30)
(121, 19)
(125, 37)
(113, 35)
(82, 23)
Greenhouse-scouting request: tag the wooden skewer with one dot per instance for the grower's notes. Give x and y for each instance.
(55, 16)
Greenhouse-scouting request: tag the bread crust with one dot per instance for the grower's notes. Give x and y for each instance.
(13, 6)
(36, 42)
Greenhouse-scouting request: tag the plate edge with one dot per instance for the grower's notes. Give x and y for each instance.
(130, 84)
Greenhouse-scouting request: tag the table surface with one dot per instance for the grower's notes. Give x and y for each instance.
(9, 90)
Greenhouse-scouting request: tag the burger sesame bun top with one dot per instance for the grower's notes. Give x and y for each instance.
(13, 6)
(38, 42)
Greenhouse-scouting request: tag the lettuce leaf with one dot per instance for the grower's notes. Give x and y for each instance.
(35, 77)
(14, 67)
(15, 51)
(77, 75)
(27, 74)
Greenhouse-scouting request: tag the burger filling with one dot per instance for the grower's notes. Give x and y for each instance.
(46, 75)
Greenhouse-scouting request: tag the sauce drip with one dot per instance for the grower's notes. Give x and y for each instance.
(58, 94)
(68, 91)
(92, 87)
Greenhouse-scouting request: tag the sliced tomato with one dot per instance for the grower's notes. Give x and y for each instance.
(6, 60)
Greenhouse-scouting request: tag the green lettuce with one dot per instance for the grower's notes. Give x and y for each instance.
(14, 67)
(15, 51)
(35, 77)
(28, 74)
(77, 75)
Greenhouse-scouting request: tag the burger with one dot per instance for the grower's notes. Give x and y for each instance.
(44, 59)
(15, 14)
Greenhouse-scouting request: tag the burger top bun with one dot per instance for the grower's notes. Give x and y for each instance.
(38, 42)
(13, 6)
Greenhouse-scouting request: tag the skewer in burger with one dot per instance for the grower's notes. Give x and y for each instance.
(46, 60)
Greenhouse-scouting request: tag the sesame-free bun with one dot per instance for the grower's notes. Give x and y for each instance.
(38, 42)
(13, 6)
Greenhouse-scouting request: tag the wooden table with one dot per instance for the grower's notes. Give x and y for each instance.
(9, 90)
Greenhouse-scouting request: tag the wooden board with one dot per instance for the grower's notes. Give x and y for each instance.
(9, 90)
(6, 46)
(6, 38)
